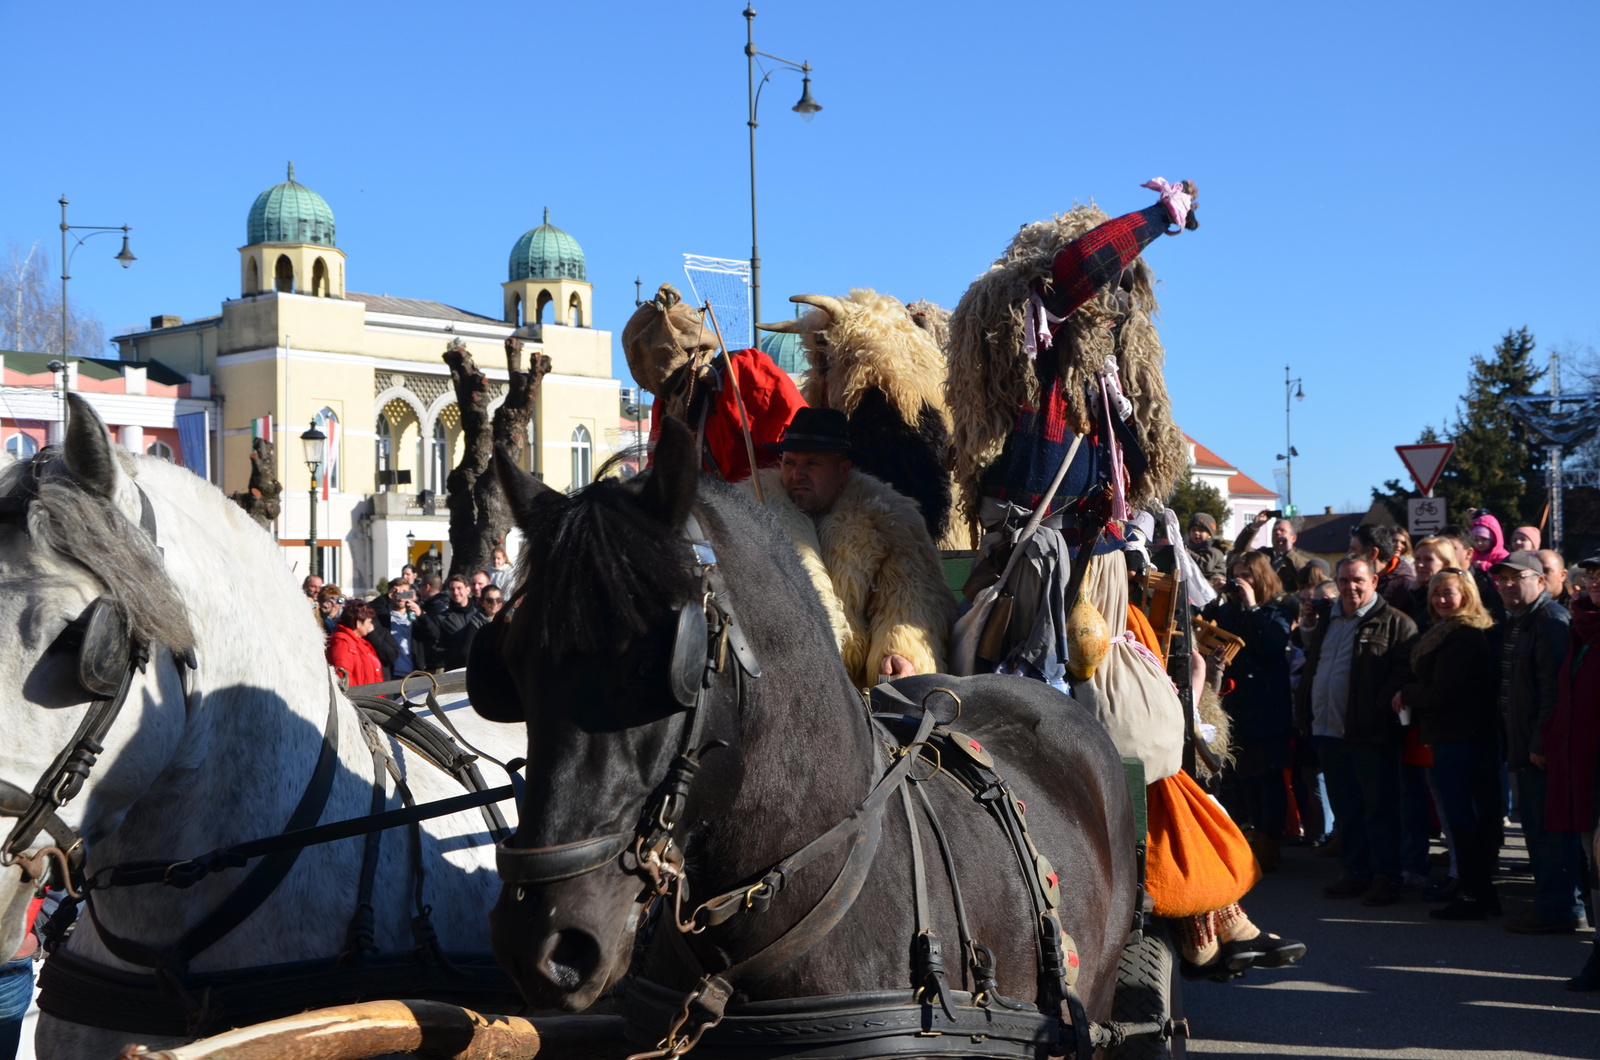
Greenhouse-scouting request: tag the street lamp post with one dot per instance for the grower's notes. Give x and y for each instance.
(315, 443)
(805, 108)
(1291, 389)
(125, 256)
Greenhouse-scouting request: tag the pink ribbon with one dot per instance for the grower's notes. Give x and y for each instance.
(1119, 497)
(1176, 200)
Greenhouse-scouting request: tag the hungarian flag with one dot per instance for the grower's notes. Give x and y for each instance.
(330, 459)
(261, 427)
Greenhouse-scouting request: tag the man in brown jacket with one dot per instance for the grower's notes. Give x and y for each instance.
(1358, 654)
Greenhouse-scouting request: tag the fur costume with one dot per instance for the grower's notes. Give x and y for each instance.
(992, 373)
(934, 319)
(877, 573)
(870, 360)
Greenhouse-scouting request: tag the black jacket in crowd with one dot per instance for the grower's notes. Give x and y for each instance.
(1453, 688)
(1379, 668)
(1537, 639)
(1259, 704)
(445, 638)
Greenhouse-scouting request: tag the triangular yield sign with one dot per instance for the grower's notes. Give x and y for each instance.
(1425, 462)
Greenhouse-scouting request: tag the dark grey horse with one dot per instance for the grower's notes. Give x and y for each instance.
(789, 754)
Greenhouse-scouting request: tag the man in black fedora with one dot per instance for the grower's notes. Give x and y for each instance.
(866, 548)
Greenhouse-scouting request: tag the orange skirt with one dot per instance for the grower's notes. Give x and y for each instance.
(1196, 859)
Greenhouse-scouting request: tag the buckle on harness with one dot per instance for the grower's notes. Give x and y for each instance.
(706, 1004)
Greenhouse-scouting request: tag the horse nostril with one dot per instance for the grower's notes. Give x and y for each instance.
(570, 959)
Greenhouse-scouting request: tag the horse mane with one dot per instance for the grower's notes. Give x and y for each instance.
(72, 523)
(601, 569)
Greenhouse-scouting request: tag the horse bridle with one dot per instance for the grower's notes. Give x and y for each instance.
(706, 630)
(107, 658)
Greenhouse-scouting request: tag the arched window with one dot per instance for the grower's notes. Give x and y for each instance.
(385, 451)
(252, 278)
(284, 274)
(440, 464)
(575, 311)
(539, 307)
(319, 279)
(515, 316)
(582, 457)
(21, 446)
(160, 449)
(332, 466)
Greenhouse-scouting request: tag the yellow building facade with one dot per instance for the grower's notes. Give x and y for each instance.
(298, 345)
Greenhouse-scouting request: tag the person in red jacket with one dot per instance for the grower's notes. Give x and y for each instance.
(1572, 742)
(348, 648)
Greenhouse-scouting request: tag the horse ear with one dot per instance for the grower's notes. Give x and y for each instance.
(675, 474)
(525, 494)
(87, 449)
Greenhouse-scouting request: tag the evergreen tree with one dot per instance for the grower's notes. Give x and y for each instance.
(1494, 466)
(1191, 495)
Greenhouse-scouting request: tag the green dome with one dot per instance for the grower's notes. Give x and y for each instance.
(784, 349)
(290, 213)
(547, 253)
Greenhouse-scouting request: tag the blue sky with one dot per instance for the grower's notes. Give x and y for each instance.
(1386, 188)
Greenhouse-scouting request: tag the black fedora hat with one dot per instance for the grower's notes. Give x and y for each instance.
(815, 430)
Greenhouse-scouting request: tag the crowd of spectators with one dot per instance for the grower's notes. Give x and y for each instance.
(1445, 688)
(418, 622)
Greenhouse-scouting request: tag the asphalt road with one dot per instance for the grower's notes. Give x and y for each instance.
(1392, 983)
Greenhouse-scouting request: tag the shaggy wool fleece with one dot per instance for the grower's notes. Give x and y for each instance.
(868, 341)
(877, 572)
(932, 318)
(991, 374)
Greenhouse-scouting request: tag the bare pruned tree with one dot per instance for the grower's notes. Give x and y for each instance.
(479, 516)
(261, 499)
(30, 309)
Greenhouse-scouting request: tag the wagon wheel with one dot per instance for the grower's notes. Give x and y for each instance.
(1148, 988)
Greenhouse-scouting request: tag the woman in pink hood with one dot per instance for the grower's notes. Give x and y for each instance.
(1488, 542)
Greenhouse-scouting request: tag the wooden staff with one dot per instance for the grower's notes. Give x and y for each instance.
(424, 1028)
(744, 421)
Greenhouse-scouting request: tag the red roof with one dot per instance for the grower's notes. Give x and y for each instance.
(1204, 457)
(1242, 485)
(1239, 484)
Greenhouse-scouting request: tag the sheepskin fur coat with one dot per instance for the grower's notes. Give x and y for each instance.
(877, 572)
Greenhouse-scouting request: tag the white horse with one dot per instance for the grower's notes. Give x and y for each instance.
(187, 772)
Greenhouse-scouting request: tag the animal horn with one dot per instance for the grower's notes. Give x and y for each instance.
(786, 326)
(832, 306)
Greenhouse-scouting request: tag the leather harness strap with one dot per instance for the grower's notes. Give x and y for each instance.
(255, 889)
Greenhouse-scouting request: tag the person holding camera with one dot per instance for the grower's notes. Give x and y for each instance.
(1287, 560)
(391, 636)
(1256, 697)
